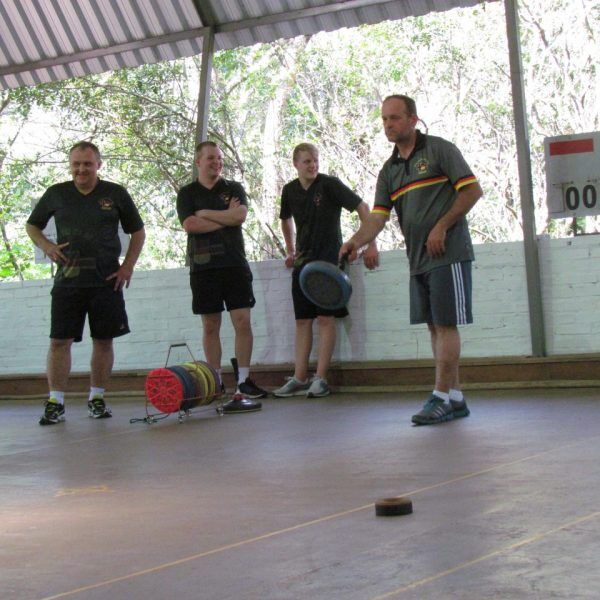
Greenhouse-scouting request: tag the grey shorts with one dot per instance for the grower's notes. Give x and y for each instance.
(442, 296)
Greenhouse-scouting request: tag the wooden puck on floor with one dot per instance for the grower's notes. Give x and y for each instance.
(393, 507)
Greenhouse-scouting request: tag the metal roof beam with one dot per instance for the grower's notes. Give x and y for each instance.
(108, 51)
(205, 13)
(294, 15)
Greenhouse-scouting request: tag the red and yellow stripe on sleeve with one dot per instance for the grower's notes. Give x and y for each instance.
(465, 181)
(415, 185)
(378, 209)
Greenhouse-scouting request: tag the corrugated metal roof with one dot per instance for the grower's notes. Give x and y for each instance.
(49, 40)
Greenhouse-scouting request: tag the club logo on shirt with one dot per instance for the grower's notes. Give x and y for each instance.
(422, 166)
(106, 203)
(225, 198)
(317, 199)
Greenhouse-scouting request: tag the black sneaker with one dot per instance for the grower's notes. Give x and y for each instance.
(54, 412)
(250, 390)
(434, 411)
(97, 409)
(239, 404)
(459, 409)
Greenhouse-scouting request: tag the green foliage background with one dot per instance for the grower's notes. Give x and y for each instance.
(326, 89)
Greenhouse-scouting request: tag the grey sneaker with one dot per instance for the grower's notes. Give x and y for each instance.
(459, 409)
(434, 411)
(318, 388)
(293, 387)
(97, 409)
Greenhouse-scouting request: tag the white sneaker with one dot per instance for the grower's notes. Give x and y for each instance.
(318, 388)
(293, 387)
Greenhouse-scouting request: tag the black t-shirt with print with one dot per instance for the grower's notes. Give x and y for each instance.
(316, 213)
(216, 249)
(89, 223)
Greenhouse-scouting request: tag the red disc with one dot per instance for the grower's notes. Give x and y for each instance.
(164, 390)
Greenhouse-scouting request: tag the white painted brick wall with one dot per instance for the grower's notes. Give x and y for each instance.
(159, 307)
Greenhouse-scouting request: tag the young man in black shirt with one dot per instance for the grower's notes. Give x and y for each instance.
(89, 279)
(311, 207)
(211, 211)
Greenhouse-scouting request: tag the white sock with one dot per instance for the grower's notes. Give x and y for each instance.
(456, 395)
(443, 395)
(243, 374)
(58, 396)
(94, 391)
(219, 373)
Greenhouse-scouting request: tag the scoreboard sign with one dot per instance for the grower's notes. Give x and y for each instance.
(573, 175)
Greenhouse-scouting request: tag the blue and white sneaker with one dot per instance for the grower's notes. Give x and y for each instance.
(459, 409)
(434, 411)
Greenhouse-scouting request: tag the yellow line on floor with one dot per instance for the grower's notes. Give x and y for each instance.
(208, 553)
(272, 534)
(503, 550)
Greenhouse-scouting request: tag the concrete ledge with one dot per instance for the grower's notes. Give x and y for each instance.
(582, 370)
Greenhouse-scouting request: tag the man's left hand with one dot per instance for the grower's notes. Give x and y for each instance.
(122, 277)
(436, 241)
(371, 256)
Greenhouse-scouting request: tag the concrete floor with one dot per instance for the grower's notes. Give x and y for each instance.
(279, 504)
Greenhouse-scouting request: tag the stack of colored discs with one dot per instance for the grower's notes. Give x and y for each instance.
(190, 390)
(181, 388)
(200, 382)
(165, 390)
(207, 380)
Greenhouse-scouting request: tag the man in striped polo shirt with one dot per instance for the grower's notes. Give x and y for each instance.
(431, 187)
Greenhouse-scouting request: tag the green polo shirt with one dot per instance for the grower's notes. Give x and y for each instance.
(421, 189)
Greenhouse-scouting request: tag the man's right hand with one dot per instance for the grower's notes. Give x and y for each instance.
(54, 252)
(350, 249)
(289, 260)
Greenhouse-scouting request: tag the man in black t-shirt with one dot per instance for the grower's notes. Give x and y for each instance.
(211, 211)
(311, 207)
(89, 279)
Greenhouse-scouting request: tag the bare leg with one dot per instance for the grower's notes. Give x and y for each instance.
(211, 340)
(327, 339)
(445, 341)
(240, 319)
(304, 340)
(102, 362)
(59, 364)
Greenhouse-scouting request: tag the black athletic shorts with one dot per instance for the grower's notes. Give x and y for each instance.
(304, 308)
(215, 289)
(104, 308)
(442, 296)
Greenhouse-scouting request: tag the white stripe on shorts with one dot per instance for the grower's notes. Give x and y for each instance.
(459, 294)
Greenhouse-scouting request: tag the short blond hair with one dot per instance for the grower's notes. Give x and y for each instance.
(305, 147)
